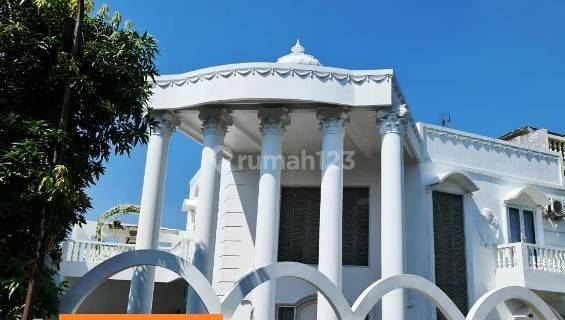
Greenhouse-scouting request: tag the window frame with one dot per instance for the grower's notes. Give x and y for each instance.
(521, 209)
(290, 306)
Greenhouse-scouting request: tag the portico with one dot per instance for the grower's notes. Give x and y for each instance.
(272, 111)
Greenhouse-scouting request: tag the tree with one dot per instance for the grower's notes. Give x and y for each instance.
(73, 90)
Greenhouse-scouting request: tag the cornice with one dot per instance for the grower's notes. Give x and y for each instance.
(490, 143)
(275, 70)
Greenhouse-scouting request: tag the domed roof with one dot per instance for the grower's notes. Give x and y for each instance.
(297, 56)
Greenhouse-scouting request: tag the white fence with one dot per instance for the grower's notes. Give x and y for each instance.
(97, 251)
(531, 256)
(92, 251)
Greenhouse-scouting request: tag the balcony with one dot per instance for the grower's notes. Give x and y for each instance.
(80, 256)
(532, 266)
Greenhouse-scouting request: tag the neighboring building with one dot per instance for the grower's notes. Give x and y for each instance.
(468, 212)
(538, 138)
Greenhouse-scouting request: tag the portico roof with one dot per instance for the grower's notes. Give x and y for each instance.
(296, 81)
(248, 84)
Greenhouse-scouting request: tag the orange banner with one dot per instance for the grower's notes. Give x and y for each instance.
(140, 317)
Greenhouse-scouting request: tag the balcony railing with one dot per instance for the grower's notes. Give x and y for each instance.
(182, 249)
(97, 251)
(92, 251)
(532, 266)
(557, 146)
(531, 256)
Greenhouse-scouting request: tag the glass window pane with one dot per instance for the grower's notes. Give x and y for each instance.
(514, 225)
(529, 229)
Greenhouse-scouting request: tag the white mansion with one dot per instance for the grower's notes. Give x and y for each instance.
(327, 167)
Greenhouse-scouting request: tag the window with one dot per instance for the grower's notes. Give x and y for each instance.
(285, 313)
(304, 310)
(300, 220)
(521, 225)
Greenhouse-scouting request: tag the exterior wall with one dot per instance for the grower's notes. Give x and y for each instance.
(236, 225)
(498, 172)
(498, 168)
(490, 156)
(418, 230)
(537, 139)
(236, 231)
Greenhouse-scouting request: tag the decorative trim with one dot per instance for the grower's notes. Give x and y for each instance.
(215, 121)
(274, 71)
(397, 91)
(333, 120)
(487, 225)
(167, 120)
(393, 121)
(273, 121)
(487, 143)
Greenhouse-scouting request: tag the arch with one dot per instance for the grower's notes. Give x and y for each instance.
(92, 279)
(533, 192)
(459, 178)
(491, 299)
(303, 304)
(283, 270)
(114, 212)
(375, 292)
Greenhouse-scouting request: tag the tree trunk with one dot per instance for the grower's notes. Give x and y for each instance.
(47, 214)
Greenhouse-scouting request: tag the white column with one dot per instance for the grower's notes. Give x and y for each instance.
(273, 127)
(392, 125)
(142, 283)
(332, 125)
(214, 126)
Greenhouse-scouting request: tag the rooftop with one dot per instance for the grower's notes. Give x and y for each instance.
(525, 130)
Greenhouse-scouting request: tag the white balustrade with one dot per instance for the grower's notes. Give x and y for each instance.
(93, 251)
(98, 251)
(182, 249)
(532, 257)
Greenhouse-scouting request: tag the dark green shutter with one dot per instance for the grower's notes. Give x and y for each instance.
(449, 246)
(300, 221)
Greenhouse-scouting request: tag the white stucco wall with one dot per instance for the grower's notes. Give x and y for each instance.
(236, 229)
(496, 170)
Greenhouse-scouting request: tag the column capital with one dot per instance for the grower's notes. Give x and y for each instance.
(393, 120)
(166, 121)
(215, 121)
(273, 120)
(333, 120)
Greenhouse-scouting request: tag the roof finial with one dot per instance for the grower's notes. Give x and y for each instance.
(297, 56)
(297, 47)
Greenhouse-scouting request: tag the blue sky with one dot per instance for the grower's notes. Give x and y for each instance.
(492, 65)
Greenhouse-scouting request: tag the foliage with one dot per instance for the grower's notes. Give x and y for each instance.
(114, 213)
(110, 89)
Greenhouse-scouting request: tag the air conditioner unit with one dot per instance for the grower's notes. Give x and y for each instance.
(556, 208)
